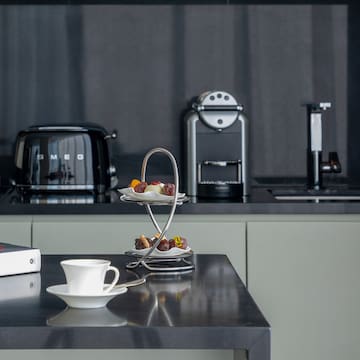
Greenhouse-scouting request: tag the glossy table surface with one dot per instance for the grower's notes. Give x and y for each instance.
(208, 308)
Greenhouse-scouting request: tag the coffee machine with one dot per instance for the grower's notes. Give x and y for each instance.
(217, 139)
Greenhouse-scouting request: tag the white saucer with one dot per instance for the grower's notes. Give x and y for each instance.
(84, 301)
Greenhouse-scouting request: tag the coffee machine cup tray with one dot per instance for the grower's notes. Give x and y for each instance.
(220, 189)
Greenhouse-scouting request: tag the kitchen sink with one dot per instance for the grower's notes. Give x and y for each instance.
(328, 194)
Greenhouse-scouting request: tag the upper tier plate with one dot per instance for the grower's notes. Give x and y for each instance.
(152, 197)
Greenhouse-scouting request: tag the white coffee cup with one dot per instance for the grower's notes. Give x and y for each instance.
(87, 276)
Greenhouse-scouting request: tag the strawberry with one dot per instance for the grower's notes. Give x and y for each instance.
(169, 189)
(140, 187)
(155, 182)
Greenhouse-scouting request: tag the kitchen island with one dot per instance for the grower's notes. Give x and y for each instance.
(208, 308)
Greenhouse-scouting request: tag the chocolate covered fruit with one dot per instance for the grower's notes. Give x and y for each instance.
(144, 242)
(179, 242)
(163, 245)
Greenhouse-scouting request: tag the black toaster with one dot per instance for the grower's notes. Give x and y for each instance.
(63, 158)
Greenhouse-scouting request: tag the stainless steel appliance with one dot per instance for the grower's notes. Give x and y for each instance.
(63, 158)
(217, 147)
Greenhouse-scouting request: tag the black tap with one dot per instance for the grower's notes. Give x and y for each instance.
(315, 166)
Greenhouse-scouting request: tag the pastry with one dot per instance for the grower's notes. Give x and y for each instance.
(142, 242)
(155, 188)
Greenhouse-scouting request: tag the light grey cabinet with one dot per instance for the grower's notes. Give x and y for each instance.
(94, 234)
(16, 230)
(305, 278)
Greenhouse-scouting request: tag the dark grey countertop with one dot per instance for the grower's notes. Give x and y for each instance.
(208, 308)
(260, 201)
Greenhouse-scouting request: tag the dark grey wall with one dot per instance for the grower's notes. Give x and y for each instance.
(353, 98)
(136, 68)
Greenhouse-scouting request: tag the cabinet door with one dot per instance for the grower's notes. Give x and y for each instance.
(116, 234)
(90, 234)
(15, 230)
(112, 354)
(215, 235)
(305, 278)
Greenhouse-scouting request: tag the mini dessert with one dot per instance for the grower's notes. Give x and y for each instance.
(143, 242)
(140, 187)
(156, 182)
(155, 186)
(134, 182)
(179, 242)
(163, 245)
(168, 189)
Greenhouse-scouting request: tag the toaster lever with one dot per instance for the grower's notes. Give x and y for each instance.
(113, 135)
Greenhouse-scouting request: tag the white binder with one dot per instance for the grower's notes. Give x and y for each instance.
(16, 259)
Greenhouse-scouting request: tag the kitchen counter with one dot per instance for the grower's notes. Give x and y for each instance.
(260, 201)
(209, 308)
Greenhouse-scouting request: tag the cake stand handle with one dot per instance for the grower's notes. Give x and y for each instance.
(148, 207)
